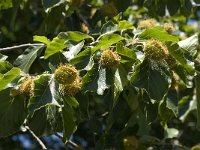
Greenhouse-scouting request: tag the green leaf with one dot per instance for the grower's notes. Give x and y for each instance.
(157, 33)
(49, 3)
(188, 106)
(197, 63)
(125, 52)
(197, 82)
(74, 36)
(45, 93)
(5, 4)
(8, 77)
(56, 45)
(3, 57)
(120, 80)
(73, 51)
(190, 44)
(108, 27)
(173, 6)
(149, 75)
(172, 101)
(5, 66)
(46, 121)
(144, 127)
(186, 7)
(178, 54)
(13, 112)
(42, 39)
(171, 132)
(95, 80)
(131, 97)
(25, 60)
(55, 60)
(124, 25)
(106, 41)
(165, 113)
(82, 59)
(83, 101)
(69, 121)
(72, 101)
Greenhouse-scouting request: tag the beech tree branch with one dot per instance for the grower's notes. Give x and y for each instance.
(19, 46)
(36, 138)
(69, 141)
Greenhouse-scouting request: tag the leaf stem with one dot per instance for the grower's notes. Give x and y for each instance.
(36, 138)
(19, 46)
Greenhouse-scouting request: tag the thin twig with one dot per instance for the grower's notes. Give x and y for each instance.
(36, 137)
(69, 141)
(19, 46)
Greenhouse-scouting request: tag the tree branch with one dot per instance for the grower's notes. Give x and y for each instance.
(36, 138)
(19, 46)
(69, 141)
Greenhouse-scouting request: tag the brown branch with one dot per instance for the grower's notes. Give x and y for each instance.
(19, 46)
(36, 138)
(69, 141)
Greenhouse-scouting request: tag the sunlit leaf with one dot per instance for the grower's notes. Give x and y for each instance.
(54, 46)
(42, 39)
(124, 25)
(74, 36)
(8, 77)
(157, 33)
(73, 51)
(190, 44)
(5, 4)
(106, 41)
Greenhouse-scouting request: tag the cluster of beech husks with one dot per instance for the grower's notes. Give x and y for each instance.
(68, 78)
(155, 49)
(158, 51)
(109, 58)
(27, 86)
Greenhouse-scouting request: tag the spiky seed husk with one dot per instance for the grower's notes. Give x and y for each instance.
(155, 50)
(70, 89)
(168, 27)
(130, 143)
(27, 86)
(146, 24)
(109, 58)
(66, 74)
(197, 147)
